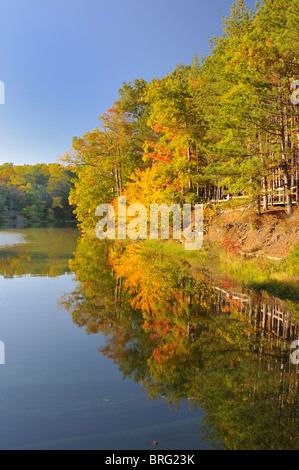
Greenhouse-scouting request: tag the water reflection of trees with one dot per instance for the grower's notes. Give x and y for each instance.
(46, 254)
(182, 338)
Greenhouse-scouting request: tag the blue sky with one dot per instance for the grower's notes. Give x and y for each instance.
(63, 62)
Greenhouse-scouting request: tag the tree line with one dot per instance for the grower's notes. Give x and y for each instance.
(225, 124)
(31, 194)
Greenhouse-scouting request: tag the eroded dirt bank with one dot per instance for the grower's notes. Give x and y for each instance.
(272, 234)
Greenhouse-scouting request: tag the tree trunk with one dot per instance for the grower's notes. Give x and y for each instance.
(265, 197)
(287, 189)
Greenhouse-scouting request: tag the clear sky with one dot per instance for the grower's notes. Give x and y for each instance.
(63, 62)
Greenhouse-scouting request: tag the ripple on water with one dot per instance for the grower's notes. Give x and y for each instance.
(8, 239)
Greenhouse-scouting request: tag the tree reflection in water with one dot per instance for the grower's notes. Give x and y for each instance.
(180, 336)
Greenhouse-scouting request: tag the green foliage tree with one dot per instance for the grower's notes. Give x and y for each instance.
(35, 194)
(223, 124)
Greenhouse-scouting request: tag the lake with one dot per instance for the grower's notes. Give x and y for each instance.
(115, 348)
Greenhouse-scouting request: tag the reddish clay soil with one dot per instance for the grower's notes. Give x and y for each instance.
(272, 234)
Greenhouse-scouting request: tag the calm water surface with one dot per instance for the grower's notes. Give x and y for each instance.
(107, 348)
